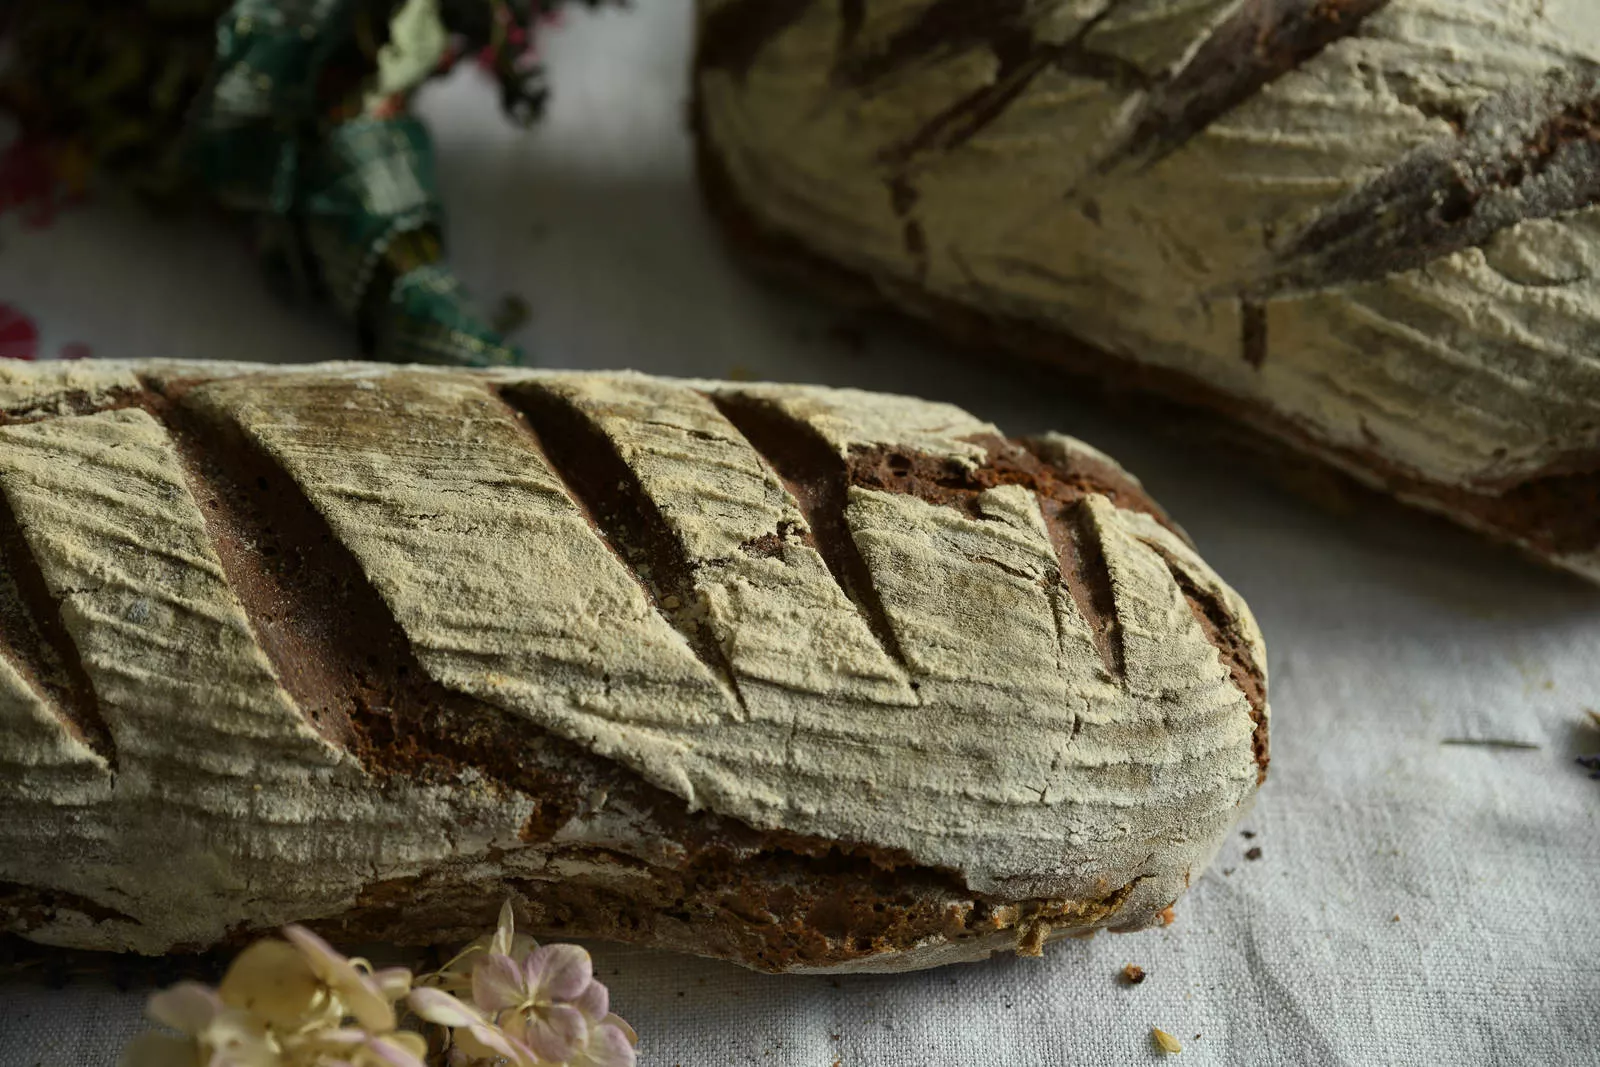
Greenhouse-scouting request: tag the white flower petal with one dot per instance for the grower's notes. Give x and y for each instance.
(324, 961)
(160, 1050)
(413, 1043)
(274, 981)
(359, 993)
(237, 1039)
(441, 1009)
(370, 1007)
(498, 983)
(336, 1037)
(594, 1002)
(504, 930)
(556, 1032)
(393, 983)
(499, 1044)
(384, 1050)
(608, 1047)
(622, 1024)
(187, 1007)
(559, 972)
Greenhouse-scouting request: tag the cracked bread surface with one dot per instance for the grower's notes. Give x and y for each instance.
(806, 678)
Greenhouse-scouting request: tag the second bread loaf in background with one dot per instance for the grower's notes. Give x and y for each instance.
(1363, 231)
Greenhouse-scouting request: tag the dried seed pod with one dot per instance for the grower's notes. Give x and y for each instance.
(799, 677)
(1363, 230)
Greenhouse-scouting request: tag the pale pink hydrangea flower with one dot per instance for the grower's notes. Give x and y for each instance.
(542, 1003)
(299, 1003)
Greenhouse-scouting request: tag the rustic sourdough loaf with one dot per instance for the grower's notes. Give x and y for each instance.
(1368, 231)
(804, 678)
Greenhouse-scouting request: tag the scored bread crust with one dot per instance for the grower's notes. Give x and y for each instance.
(805, 678)
(1363, 231)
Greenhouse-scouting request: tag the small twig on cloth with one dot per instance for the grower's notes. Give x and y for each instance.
(1489, 742)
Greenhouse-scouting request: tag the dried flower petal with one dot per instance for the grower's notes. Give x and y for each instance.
(559, 972)
(531, 1006)
(456, 976)
(415, 1044)
(622, 1025)
(238, 1039)
(498, 983)
(488, 1043)
(354, 1047)
(273, 981)
(393, 1052)
(521, 946)
(438, 1007)
(594, 1002)
(229, 1038)
(473, 1033)
(555, 1032)
(500, 943)
(393, 982)
(187, 1007)
(608, 1046)
(358, 993)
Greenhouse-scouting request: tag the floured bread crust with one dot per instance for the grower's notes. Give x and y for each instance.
(804, 678)
(1367, 228)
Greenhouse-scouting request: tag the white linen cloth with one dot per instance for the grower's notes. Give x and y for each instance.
(1414, 902)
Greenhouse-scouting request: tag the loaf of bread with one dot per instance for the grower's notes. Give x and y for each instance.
(803, 678)
(1363, 231)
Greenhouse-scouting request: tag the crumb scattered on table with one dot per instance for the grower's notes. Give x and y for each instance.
(1247, 834)
(1253, 854)
(1133, 974)
(1166, 1042)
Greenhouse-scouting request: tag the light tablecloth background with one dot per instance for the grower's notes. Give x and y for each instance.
(1414, 902)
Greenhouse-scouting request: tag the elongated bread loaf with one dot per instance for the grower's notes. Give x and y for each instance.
(1367, 231)
(799, 677)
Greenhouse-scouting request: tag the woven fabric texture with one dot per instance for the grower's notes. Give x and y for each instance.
(1412, 900)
